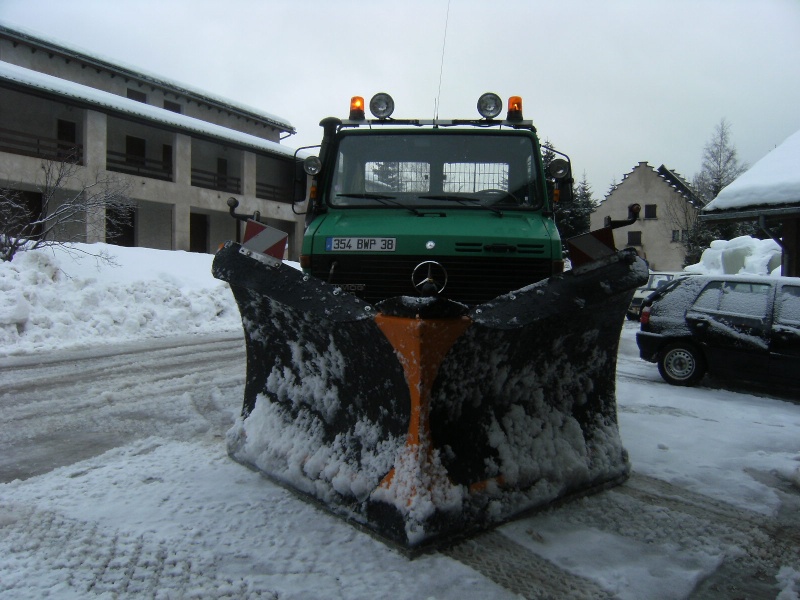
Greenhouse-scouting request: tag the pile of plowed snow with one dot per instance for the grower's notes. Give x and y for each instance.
(82, 295)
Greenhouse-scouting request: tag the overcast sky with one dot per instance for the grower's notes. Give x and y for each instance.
(610, 83)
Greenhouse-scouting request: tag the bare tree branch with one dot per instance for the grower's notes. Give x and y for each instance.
(75, 206)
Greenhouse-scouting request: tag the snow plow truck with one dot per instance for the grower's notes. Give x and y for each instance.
(432, 370)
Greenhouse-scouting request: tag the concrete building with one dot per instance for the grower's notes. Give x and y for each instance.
(669, 207)
(182, 152)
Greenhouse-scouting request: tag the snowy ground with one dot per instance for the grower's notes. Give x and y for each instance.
(117, 386)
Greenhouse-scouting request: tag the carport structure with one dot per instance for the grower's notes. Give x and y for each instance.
(769, 193)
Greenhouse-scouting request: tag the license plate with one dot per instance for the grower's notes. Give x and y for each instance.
(360, 244)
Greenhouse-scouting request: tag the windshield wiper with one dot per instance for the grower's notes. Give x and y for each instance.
(383, 199)
(464, 200)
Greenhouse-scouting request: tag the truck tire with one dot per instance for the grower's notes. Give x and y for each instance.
(681, 363)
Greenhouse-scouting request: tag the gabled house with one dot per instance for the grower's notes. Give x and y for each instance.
(182, 151)
(669, 208)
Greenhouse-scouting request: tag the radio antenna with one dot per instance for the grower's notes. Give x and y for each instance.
(441, 65)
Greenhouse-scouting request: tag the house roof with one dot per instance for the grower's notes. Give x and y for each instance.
(770, 188)
(15, 77)
(680, 185)
(19, 35)
(671, 178)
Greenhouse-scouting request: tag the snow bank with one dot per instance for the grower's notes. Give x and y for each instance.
(81, 295)
(743, 255)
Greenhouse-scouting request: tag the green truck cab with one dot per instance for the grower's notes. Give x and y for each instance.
(410, 207)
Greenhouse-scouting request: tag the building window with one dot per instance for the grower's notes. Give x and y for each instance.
(650, 211)
(676, 235)
(137, 95)
(222, 173)
(634, 238)
(135, 150)
(166, 158)
(66, 133)
(173, 106)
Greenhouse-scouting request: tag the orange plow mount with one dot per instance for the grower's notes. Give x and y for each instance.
(421, 419)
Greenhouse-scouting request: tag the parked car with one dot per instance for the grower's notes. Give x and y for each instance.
(730, 326)
(654, 282)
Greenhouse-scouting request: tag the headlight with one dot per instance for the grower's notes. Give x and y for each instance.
(381, 106)
(489, 105)
(312, 165)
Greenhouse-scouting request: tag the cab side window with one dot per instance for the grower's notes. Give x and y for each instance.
(746, 299)
(709, 298)
(787, 307)
(735, 298)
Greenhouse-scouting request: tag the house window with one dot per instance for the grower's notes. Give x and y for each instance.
(66, 133)
(676, 235)
(222, 173)
(650, 211)
(173, 106)
(166, 158)
(134, 150)
(634, 238)
(137, 95)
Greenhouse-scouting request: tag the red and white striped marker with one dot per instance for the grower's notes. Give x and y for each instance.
(591, 246)
(264, 239)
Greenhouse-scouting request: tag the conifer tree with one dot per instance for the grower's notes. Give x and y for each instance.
(572, 218)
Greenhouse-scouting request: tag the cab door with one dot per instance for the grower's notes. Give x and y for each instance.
(731, 321)
(784, 360)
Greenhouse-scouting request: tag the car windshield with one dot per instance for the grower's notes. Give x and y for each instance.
(456, 170)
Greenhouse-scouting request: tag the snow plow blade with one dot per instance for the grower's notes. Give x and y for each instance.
(423, 420)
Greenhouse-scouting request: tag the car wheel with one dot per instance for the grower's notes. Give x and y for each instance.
(681, 364)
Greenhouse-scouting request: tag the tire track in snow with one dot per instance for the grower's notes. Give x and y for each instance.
(42, 374)
(50, 553)
(647, 512)
(766, 543)
(58, 411)
(521, 571)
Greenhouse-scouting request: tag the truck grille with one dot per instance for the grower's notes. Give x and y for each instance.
(471, 280)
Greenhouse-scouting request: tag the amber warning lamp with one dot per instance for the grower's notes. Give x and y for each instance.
(357, 108)
(514, 108)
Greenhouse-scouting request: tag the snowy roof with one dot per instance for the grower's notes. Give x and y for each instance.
(57, 46)
(109, 102)
(773, 182)
(680, 185)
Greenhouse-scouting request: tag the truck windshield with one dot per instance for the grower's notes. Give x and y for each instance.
(457, 170)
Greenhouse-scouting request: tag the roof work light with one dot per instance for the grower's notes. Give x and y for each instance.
(489, 105)
(357, 108)
(381, 106)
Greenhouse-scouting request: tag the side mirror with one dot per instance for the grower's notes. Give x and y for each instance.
(561, 171)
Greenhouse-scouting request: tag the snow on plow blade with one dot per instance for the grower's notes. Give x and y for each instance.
(424, 420)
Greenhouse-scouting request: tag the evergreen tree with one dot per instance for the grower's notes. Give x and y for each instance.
(611, 187)
(572, 218)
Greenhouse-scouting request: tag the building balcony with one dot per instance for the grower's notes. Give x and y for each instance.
(26, 144)
(138, 165)
(216, 181)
